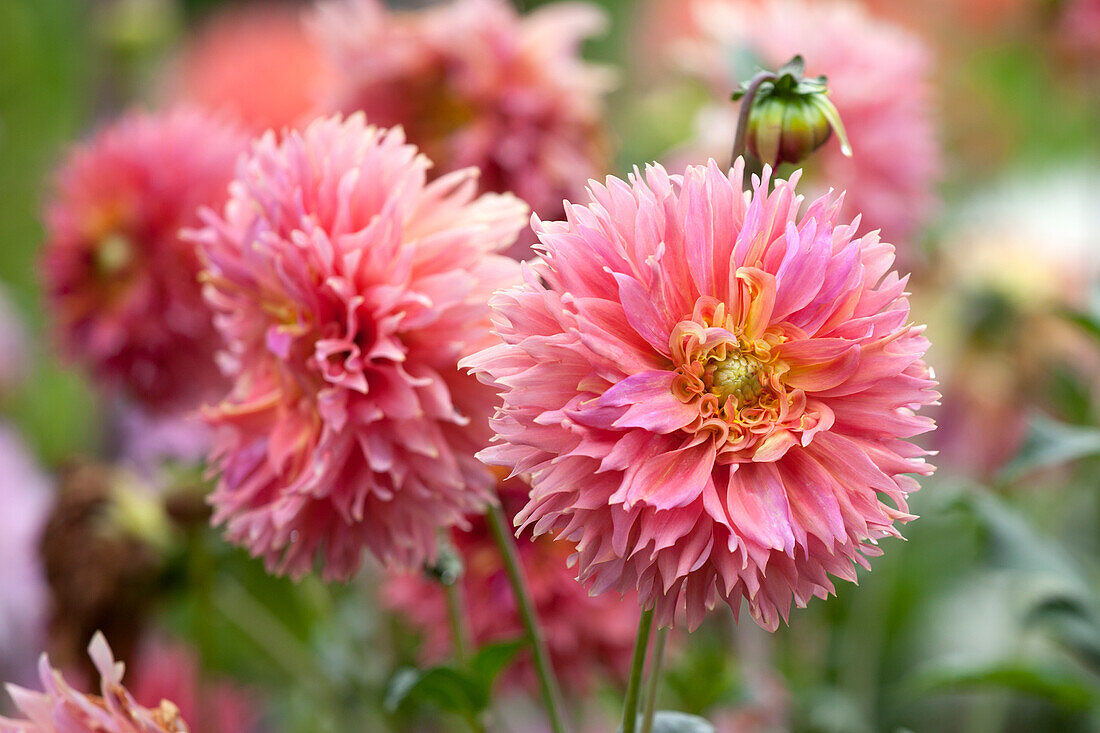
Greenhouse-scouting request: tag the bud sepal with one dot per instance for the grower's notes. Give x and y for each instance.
(790, 115)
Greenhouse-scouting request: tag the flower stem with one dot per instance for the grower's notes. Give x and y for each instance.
(741, 136)
(460, 635)
(654, 679)
(506, 542)
(637, 664)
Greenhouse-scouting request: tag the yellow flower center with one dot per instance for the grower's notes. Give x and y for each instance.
(738, 376)
(113, 254)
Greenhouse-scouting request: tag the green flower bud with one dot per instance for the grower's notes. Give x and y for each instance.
(791, 117)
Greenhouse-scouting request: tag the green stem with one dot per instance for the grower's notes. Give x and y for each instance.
(506, 542)
(637, 664)
(741, 136)
(460, 635)
(654, 680)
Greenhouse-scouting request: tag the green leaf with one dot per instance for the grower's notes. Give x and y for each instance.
(1059, 684)
(1088, 317)
(1071, 621)
(447, 688)
(492, 659)
(1050, 443)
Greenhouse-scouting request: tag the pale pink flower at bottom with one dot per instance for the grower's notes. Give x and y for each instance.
(711, 393)
(61, 709)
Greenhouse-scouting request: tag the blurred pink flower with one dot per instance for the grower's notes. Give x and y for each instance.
(119, 280)
(475, 84)
(256, 63)
(171, 671)
(1079, 29)
(61, 709)
(878, 79)
(25, 498)
(347, 288)
(709, 392)
(580, 652)
(150, 442)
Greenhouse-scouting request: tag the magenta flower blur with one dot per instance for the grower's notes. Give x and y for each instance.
(61, 709)
(879, 79)
(347, 287)
(121, 284)
(710, 392)
(474, 83)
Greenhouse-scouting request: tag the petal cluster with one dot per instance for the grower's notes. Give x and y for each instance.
(347, 287)
(580, 652)
(476, 84)
(711, 393)
(61, 709)
(120, 282)
(879, 80)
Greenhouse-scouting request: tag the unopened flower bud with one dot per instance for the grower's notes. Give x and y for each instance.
(791, 116)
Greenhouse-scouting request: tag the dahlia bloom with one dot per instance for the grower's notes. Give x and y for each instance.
(166, 670)
(119, 280)
(61, 709)
(255, 63)
(25, 498)
(578, 651)
(878, 80)
(347, 287)
(475, 84)
(710, 392)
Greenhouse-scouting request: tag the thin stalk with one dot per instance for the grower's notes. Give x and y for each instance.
(506, 542)
(742, 133)
(460, 635)
(637, 664)
(654, 679)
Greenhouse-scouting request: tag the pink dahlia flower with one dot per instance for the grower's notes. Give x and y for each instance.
(710, 392)
(255, 63)
(878, 79)
(347, 287)
(475, 84)
(171, 671)
(61, 709)
(120, 281)
(580, 652)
